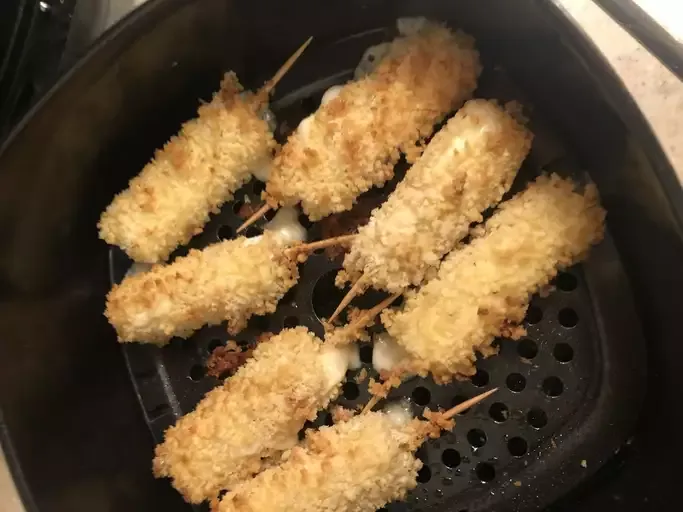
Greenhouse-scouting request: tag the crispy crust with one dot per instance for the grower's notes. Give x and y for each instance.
(241, 426)
(467, 167)
(353, 142)
(228, 281)
(359, 466)
(192, 176)
(484, 289)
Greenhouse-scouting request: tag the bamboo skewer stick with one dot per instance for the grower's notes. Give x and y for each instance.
(355, 290)
(270, 84)
(320, 244)
(254, 217)
(467, 404)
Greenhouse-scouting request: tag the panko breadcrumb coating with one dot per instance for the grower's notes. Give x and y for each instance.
(228, 281)
(241, 426)
(352, 142)
(356, 466)
(192, 176)
(467, 167)
(483, 289)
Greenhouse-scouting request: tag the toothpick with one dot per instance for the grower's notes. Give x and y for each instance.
(270, 84)
(254, 217)
(467, 404)
(353, 292)
(322, 244)
(373, 401)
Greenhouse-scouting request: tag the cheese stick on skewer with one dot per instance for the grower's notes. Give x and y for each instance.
(353, 141)
(194, 174)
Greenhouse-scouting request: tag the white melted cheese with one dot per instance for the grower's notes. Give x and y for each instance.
(386, 353)
(337, 361)
(262, 172)
(399, 413)
(330, 94)
(304, 127)
(411, 26)
(138, 268)
(286, 226)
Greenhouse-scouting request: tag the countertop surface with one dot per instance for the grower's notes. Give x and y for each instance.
(657, 91)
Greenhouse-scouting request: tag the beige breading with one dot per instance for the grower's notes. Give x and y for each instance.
(353, 142)
(356, 466)
(228, 281)
(192, 176)
(467, 167)
(484, 288)
(245, 424)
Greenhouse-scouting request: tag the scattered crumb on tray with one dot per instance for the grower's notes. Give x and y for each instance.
(225, 360)
(362, 375)
(341, 414)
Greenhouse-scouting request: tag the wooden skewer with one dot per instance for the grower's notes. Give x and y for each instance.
(372, 313)
(254, 217)
(352, 294)
(270, 84)
(321, 244)
(373, 401)
(467, 404)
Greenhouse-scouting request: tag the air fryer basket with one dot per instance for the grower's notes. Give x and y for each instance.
(571, 392)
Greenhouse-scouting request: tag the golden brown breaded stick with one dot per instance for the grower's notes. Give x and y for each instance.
(467, 167)
(358, 466)
(239, 427)
(228, 281)
(191, 177)
(483, 290)
(352, 142)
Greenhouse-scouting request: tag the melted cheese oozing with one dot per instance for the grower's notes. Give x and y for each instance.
(386, 353)
(138, 268)
(399, 413)
(330, 94)
(262, 172)
(286, 226)
(411, 26)
(336, 362)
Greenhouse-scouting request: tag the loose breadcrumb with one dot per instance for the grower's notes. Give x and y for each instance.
(191, 177)
(228, 281)
(466, 168)
(340, 414)
(484, 288)
(251, 419)
(358, 466)
(352, 143)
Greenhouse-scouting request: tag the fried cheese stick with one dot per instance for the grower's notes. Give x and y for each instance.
(197, 171)
(241, 426)
(353, 141)
(356, 466)
(467, 167)
(482, 290)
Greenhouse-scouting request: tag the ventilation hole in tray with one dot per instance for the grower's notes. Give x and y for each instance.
(290, 321)
(366, 354)
(329, 420)
(563, 352)
(553, 386)
(481, 378)
(302, 433)
(197, 372)
(568, 318)
(515, 382)
(237, 206)
(214, 344)
(517, 446)
(485, 472)
(421, 396)
(499, 412)
(566, 282)
(225, 233)
(527, 348)
(451, 458)
(270, 214)
(258, 323)
(457, 400)
(476, 437)
(305, 221)
(350, 390)
(424, 474)
(533, 315)
(537, 418)
(158, 411)
(258, 187)
(251, 232)
(326, 296)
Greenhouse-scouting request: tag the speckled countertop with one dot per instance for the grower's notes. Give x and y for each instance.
(657, 91)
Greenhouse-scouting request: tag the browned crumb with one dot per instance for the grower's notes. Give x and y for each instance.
(232, 345)
(381, 389)
(340, 414)
(438, 419)
(225, 360)
(362, 375)
(346, 223)
(264, 336)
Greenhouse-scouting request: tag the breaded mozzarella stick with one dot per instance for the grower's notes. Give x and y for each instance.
(242, 426)
(467, 167)
(483, 290)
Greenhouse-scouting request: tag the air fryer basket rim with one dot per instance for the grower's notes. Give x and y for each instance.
(123, 34)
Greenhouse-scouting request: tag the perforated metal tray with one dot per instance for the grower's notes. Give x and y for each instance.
(569, 391)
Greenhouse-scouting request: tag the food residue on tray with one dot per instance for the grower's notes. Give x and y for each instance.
(225, 360)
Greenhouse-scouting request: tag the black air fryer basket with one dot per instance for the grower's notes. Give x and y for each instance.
(586, 416)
